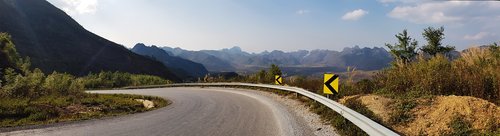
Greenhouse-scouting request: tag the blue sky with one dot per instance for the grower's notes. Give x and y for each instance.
(289, 25)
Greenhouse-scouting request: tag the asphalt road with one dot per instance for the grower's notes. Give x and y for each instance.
(194, 112)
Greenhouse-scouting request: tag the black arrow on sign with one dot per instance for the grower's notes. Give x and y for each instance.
(328, 83)
(278, 80)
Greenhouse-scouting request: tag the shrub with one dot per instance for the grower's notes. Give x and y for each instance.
(401, 113)
(460, 127)
(310, 84)
(475, 74)
(119, 79)
(432, 76)
(478, 73)
(28, 85)
(9, 107)
(62, 84)
(138, 80)
(365, 85)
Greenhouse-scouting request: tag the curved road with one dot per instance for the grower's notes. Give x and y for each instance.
(194, 112)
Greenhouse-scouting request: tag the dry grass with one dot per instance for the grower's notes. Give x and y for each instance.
(476, 73)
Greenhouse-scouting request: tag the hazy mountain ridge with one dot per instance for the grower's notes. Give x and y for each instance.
(56, 42)
(182, 67)
(210, 62)
(297, 62)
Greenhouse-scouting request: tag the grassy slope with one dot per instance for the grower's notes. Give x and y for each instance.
(52, 109)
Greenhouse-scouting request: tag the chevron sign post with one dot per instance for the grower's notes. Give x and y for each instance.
(278, 80)
(331, 84)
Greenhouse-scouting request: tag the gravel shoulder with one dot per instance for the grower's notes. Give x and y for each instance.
(298, 109)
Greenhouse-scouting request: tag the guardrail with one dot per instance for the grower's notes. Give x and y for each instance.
(369, 126)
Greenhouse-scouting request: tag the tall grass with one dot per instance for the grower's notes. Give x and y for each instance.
(476, 73)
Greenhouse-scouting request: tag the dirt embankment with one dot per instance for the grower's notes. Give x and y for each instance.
(432, 116)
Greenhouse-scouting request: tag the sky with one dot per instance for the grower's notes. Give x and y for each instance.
(288, 25)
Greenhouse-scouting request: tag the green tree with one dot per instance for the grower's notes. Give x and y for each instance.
(261, 76)
(8, 54)
(273, 71)
(121, 79)
(495, 50)
(434, 37)
(405, 50)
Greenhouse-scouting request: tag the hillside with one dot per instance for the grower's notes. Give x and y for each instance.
(182, 67)
(56, 42)
(433, 116)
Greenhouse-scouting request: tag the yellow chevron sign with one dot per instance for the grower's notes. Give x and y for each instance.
(331, 84)
(278, 80)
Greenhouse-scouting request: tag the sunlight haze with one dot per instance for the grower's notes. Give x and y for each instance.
(287, 25)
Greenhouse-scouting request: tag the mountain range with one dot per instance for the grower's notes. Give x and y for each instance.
(295, 62)
(183, 68)
(55, 42)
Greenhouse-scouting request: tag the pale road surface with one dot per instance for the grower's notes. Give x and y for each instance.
(194, 112)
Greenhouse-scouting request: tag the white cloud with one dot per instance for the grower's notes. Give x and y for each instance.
(354, 15)
(446, 12)
(477, 36)
(429, 13)
(302, 11)
(386, 1)
(73, 7)
(401, 1)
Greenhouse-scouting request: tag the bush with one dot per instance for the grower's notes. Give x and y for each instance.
(9, 108)
(366, 86)
(138, 80)
(478, 73)
(310, 84)
(119, 79)
(431, 76)
(401, 113)
(28, 85)
(460, 127)
(474, 74)
(62, 84)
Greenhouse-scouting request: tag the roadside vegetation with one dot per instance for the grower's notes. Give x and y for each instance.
(28, 96)
(109, 80)
(419, 78)
(57, 108)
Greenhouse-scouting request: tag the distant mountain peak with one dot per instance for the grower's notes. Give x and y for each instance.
(140, 45)
(234, 49)
(276, 51)
(265, 52)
